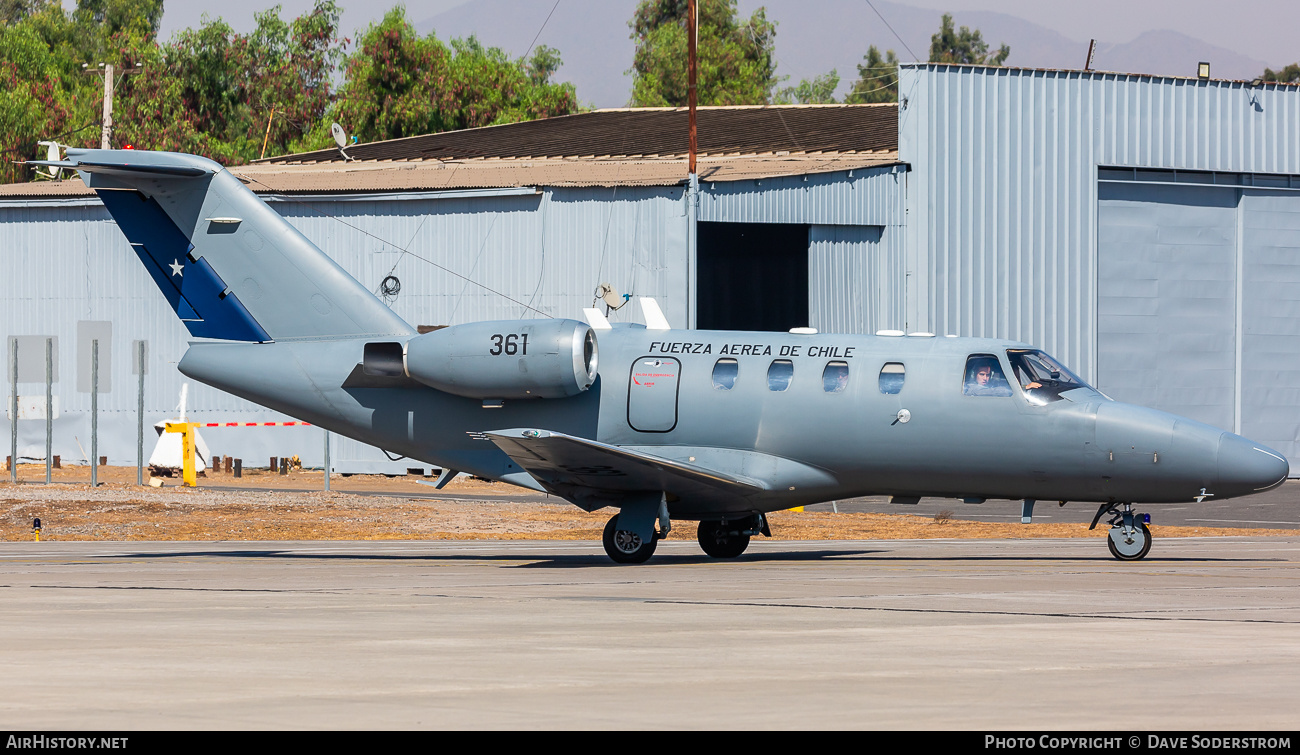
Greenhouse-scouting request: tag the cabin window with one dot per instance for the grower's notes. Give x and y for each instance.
(984, 377)
(724, 374)
(892, 376)
(835, 378)
(1043, 378)
(779, 374)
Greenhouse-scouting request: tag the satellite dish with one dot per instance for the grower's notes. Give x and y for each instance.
(51, 155)
(341, 139)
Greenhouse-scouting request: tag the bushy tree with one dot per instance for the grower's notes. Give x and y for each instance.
(962, 45)
(735, 58)
(878, 74)
(45, 93)
(1288, 75)
(820, 90)
(877, 78)
(213, 92)
(401, 84)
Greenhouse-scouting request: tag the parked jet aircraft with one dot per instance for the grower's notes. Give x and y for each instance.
(660, 424)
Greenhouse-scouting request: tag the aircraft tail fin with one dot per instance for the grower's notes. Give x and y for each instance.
(231, 267)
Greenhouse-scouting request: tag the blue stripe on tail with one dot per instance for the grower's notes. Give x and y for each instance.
(193, 289)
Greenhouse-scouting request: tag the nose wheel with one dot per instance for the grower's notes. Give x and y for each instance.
(1130, 537)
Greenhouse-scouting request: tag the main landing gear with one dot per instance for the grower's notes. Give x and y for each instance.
(626, 546)
(728, 539)
(1130, 537)
(725, 538)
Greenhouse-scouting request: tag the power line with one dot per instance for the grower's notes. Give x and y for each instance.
(891, 29)
(404, 251)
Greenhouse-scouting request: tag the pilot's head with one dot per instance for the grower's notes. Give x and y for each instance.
(983, 373)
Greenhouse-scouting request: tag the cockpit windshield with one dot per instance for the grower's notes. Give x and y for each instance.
(1043, 378)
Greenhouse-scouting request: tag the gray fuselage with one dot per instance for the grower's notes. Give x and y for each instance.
(808, 442)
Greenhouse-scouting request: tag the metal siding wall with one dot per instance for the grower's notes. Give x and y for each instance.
(1270, 321)
(1003, 196)
(1167, 258)
(855, 277)
(548, 251)
(873, 196)
(70, 262)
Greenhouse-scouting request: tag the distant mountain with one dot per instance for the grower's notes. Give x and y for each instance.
(593, 39)
(1173, 54)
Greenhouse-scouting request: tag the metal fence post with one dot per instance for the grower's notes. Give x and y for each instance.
(327, 459)
(94, 413)
(139, 431)
(49, 410)
(13, 424)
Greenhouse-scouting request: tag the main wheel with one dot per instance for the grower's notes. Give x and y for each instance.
(720, 544)
(627, 547)
(1130, 547)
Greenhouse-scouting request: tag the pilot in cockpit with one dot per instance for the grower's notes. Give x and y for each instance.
(984, 377)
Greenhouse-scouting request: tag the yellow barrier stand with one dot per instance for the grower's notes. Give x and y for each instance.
(186, 429)
(36, 528)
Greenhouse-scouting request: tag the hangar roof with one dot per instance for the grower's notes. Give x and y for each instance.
(648, 132)
(623, 147)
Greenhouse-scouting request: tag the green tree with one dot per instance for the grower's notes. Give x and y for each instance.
(1288, 75)
(400, 84)
(877, 78)
(819, 91)
(116, 16)
(213, 92)
(45, 94)
(13, 11)
(962, 45)
(735, 58)
(878, 74)
(33, 97)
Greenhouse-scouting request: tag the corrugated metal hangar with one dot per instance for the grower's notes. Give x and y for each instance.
(1143, 229)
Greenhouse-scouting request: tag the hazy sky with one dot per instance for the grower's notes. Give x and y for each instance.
(1262, 29)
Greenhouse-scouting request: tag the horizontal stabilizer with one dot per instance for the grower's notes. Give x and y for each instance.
(125, 168)
(564, 464)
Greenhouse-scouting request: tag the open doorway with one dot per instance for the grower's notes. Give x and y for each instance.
(752, 276)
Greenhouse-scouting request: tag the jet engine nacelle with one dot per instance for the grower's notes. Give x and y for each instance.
(506, 359)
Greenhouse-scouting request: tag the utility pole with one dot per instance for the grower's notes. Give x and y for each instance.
(692, 32)
(106, 70)
(107, 130)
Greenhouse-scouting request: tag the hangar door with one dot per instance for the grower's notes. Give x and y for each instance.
(752, 276)
(1199, 304)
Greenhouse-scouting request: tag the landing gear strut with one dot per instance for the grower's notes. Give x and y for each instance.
(1130, 537)
(625, 546)
(728, 539)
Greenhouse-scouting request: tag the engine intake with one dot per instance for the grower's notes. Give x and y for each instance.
(506, 359)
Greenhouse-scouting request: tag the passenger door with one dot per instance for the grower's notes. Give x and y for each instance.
(652, 394)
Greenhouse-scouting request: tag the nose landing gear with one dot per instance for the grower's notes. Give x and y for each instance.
(1130, 537)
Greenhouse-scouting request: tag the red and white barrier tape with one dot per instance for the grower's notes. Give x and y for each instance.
(254, 424)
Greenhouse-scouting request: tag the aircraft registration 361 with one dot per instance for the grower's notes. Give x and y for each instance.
(719, 427)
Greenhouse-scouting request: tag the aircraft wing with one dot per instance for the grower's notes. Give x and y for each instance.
(580, 468)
